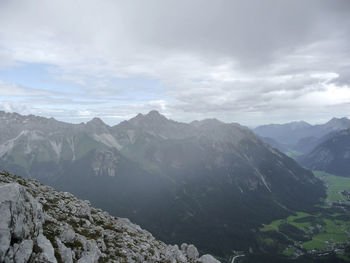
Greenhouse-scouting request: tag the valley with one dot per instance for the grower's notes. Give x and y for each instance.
(323, 233)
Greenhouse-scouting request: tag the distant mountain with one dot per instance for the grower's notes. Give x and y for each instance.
(307, 144)
(288, 133)
(332, 155)
(300, 136)
(195, 182)
(39, 224)
(335, 124)
(274, 144)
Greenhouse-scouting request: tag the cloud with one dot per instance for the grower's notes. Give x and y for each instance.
(245, 61)
(14, 90)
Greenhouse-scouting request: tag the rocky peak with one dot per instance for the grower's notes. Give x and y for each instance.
(96, 125)
(39, 224)
(299, 124)
(155, 114)
(338, 123)
(96, 122)
(207, 123)
(151, 119)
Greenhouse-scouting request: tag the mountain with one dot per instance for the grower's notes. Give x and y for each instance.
(40, 224)
(300, 137)
(288, 133)
(206, 180)
(335, 124)
(332, 155)
(274, 144)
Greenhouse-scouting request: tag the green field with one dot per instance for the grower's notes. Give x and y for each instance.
(274, 225)
(335, 185)
(320, 231)
(334, 231)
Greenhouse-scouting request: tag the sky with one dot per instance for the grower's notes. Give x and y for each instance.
(252, 61)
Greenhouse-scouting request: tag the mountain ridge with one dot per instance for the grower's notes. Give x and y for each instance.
(331, 155)
(193, 182)
(300, 137)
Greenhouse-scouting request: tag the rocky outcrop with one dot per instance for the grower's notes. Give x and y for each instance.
(40, 224)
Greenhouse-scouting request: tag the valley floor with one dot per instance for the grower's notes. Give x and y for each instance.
(325, 232)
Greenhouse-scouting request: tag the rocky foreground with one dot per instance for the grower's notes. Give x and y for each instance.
(40, 224)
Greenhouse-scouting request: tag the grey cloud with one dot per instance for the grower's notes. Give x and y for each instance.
(12, 89)
(250, 31)
(219, 58)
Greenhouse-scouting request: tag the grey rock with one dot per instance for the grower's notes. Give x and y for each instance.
(93, 253)
(54, 224)
(208, 259)
(24, 251)
(47, 251)
(192, 252)
(67, 234)
(65, 253)
(20, 219)
(184, 247)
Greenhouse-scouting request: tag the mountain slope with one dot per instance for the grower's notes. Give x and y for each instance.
(333, 155)
(288, 133)
(300, 136)
(39, 224)
(195, 182)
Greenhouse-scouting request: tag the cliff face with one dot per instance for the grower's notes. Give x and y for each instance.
(40, 224)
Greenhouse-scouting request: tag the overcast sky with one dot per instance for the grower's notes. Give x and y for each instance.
(252, 62)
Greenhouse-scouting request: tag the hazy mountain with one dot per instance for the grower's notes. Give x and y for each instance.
(288, 133)
(274, 144)
(300, 136)
(195, 182)
(39, 224)
(307, 144)
(332, 155)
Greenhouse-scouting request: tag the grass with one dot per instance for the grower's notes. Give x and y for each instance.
(323, 229)
(290, 251)
(274, 225)
(335, 185)
(333, 231)
(314, 244)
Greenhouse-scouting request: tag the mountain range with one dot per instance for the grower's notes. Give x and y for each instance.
(183, 182)
(298, 138)
(324, 147)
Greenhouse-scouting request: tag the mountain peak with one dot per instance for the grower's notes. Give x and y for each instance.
(96, 121)
(207, 122)
(155, 115)
(152, 118)
(301, 123)
(338, 123)
(335, 120)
